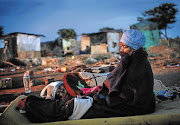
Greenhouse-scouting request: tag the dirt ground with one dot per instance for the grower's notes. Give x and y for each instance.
(168, 74)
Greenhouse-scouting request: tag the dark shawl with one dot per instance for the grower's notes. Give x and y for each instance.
(128, 90)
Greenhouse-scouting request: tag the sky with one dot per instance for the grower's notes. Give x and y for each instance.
(46, 17)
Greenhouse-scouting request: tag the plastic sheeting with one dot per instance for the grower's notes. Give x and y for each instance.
(152, 38)
(151, 32)
(28, 42)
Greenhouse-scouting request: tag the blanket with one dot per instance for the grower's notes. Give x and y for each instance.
(167, 112)
(128, 90)
(40, 110)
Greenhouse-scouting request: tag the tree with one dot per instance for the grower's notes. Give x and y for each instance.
(67, 34)
(162, 15)
(1, 32)
(105, 29)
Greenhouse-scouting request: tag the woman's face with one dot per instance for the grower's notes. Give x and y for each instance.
(126, 49)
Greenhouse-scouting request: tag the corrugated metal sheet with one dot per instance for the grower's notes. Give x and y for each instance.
(23, 45)
(28, 42)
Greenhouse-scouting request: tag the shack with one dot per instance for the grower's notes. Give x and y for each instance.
(102, 42)
(22, 45)
(51, 48)
(151, 32)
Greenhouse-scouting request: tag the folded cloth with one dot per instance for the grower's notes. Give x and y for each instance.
(81, 106)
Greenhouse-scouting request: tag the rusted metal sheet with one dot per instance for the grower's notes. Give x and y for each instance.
(23, 45)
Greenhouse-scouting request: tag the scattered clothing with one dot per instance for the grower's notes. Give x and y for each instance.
(163, 93)
(166, 93)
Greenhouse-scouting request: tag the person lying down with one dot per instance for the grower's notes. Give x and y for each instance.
(127, 91)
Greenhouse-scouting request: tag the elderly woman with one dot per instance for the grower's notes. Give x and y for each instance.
(129, 88)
